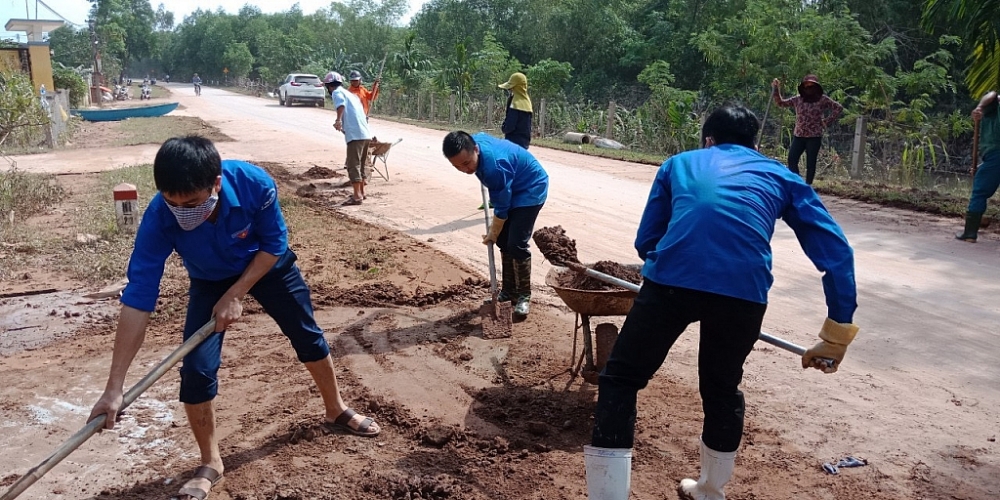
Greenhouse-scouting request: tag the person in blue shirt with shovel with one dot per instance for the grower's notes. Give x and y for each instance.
(705, 238)
(223, 219)
(518, 187)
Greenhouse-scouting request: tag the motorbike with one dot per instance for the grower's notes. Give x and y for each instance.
(197, 89)
(121, 93)
(147, 93)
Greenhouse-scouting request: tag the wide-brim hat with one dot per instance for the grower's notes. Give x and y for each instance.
(810, 79)
(515, 80)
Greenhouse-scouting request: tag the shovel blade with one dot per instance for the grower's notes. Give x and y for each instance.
(497, 320)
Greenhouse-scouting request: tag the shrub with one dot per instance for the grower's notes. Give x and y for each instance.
(66, 78)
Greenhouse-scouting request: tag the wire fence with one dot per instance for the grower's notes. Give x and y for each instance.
(893, 152)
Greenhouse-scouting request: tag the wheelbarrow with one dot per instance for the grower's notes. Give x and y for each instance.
(587, 304)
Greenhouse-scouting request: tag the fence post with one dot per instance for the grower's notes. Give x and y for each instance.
(541, 118)
(451, 106)
(489, 111)
(418, 103)
(860, 143)
(610, 133)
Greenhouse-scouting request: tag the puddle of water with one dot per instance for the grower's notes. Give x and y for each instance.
(34, 321)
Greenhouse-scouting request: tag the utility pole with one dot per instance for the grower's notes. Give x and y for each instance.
(97, 78)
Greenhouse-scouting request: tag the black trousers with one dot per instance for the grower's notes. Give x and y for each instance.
(811, 147)
(515, 236)
(729, 329)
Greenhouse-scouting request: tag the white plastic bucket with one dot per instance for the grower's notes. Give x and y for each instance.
(609, 472)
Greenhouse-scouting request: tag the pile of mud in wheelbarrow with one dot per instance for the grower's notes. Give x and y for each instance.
(589, 290)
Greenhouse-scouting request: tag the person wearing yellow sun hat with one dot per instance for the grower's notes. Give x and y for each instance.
(517, 122)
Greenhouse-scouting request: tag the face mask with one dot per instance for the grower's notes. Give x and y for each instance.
(192, 217)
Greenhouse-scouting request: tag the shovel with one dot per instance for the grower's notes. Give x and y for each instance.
(770, 339)
(497, 317)
(95, 425)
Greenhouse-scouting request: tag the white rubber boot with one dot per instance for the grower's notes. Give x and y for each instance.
(716, 469)
(609, 472)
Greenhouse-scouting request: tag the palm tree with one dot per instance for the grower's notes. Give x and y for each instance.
(979, 25)
(409, 63)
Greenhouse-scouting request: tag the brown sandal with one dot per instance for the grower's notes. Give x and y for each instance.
(342, 424)
(203, 472)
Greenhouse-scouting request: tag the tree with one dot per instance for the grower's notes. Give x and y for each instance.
(978, 24)
(71, 47)
(547, 78)
(20, 108)
(238, 59)
(410, 62)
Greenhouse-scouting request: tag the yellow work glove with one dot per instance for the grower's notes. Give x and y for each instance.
(836, 337)
(495, 229)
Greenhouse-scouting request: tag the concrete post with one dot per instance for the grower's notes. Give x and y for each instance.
(489, 111)
(610, 132)
(541, 118)
(451, 105)
(860, 144)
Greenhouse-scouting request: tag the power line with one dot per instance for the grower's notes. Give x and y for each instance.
(60, 16)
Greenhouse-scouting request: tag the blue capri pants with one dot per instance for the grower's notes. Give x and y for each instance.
(284, 296)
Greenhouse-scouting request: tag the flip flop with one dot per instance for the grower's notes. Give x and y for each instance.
(342, 424)
(351, 201)
(203, 472)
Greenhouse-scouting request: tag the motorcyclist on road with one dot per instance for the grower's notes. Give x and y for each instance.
(196, 80)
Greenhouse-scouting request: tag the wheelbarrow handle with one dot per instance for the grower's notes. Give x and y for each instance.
(766, 337)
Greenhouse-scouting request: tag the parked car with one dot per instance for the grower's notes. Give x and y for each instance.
(301, 87)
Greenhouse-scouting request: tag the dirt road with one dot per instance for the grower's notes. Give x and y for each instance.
(916, 396)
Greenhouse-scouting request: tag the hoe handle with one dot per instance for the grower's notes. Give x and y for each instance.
(95, 425)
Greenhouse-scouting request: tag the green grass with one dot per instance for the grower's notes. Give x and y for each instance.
(24, 194)
(156, 130)
(106, 259)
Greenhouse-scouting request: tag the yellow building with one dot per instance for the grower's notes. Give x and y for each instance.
(32, 57)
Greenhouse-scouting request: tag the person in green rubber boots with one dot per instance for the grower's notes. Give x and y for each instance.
(518, 187)
(987, 177)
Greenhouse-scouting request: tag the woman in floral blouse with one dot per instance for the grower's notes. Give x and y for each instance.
(811, 118)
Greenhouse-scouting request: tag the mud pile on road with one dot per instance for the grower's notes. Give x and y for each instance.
(318, 172)
(383, 294)
(556, 246)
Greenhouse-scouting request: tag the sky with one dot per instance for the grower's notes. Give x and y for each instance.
(77, 10)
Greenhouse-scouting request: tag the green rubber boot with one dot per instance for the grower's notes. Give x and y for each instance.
(522, 276)
(972, 221)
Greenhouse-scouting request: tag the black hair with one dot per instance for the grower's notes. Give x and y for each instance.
(331, 86)
(731, 124)
(456, 142)
(186, 165)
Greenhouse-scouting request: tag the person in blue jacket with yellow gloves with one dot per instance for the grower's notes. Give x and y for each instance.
(705, 238)
(223, 219)
(518, 186)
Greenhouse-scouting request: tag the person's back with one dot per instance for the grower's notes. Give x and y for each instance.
(724, 202)
(514, 165)
(355, 122)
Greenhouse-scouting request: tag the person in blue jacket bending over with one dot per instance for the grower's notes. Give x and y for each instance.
(705, 238)
(518, 186)
(223, 219)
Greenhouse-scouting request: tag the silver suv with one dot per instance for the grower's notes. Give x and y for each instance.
(301, 87)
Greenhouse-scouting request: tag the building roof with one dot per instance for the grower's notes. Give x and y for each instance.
(34, 27)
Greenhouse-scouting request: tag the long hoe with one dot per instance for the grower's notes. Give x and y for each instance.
(766, 337)
(95, 425)
(497, 317)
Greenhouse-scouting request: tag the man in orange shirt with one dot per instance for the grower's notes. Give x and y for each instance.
(367, 97)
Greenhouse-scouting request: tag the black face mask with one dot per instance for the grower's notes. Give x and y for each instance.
(811, 94)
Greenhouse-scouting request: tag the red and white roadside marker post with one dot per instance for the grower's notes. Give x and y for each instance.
(127, 206)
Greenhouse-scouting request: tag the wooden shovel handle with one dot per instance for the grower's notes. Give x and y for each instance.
(975, 147)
